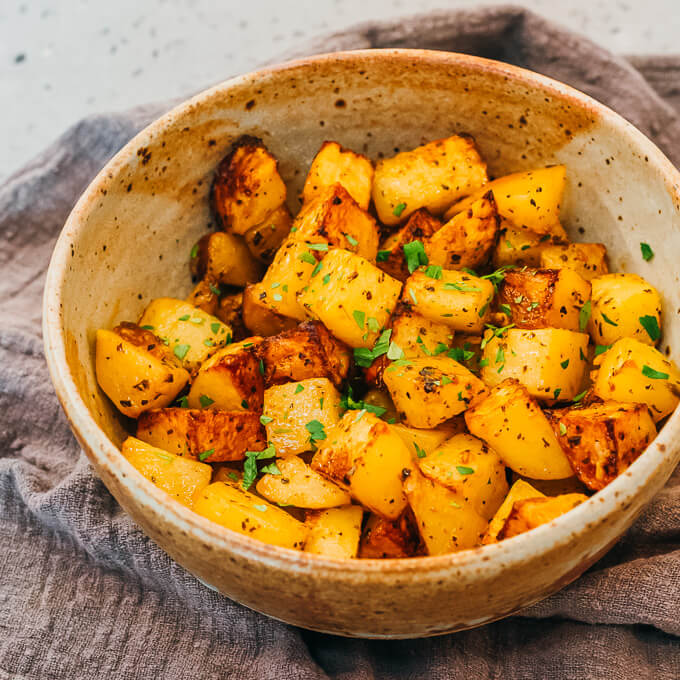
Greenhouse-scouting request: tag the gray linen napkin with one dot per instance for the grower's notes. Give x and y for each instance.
(84, 594)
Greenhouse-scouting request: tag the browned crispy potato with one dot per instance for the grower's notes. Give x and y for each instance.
(264, 239)
(259, 318)
(602, 441)
(247, 187)
(230, 311)
(335, 164)
(545, 298)
(467, 238)
(530, 513)
(205, 296)
(308, 351)
(384, 539)
(521, 247)
(224, 258)
(420, 226)
(589, 260)
(209, 436)
(519, 491)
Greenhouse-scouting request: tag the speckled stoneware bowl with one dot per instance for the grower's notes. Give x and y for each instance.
(127, 241)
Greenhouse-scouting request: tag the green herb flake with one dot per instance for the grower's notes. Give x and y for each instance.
(317, 246)
(518, 299)
(434, 271)
(317, 269)
(245, 405)
(606, 319)
(464, 470)
(308, 258)
(180, 351)
(373, 324)
(412, 294)
(299, 388)
(277, 297)
(184, 317)
(182, 402)
(316, 430)
(506, 309)
(647, 252)
(446, 380)
(359, 318)
(584, 315)
(215, 327)
(580, 396)
(233, 476)
(383, 255)
(394, 352)
(194, 251)
(482, 309)
(483, 362)
(197, 320)
(215, 290)
(415, 255)
(205, 400)
(564, 363)
(206, 454)
(351, 240)
(582, 356)
(421, 453)
(250, 465)
(149, 328)
(556, 393)
(601, 349)
(651, 325)
(208, 342)
(261, 367)
(265, 420)
(500, 356)
(261, 508)
(649, 372)
(271, 469)
(461, 287)
(563, 429)
(399, 209)
(326, 279)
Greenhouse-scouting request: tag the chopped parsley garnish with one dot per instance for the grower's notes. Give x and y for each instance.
(582, 356)
(265, 420)
(148, 328)
(500, 356)
(399, 209)
(215, 327)
(462, 287)
(412, 293)
(261, 367)
(483, 362)
(584, 315)
(205, 400)
(496, 333)
(651, 325)
(556, 393)
(215, 290)
(383, 255)
(497, 277)
(506, 309)
(606, 319)
(394, 352)
(434, 271)
(208, 342)
(359, 318)
(250, 465)
(347, 402)
(317, 269)
(421, 453)
(308, 258)
(373, 324)
(182, 402)
(206, 454)
(482, 309)
(446, 380)
(647, 252)
(317, 246)
(364, 356)
(299, 388)
(563, 429)
(414, 254)
(564, 363)
(326, 279)
(184, 317)
(580, 396)
(351, 240)
(180, 351)
(244, 404)
(601, 349)
(464, 470)
(261, 508)
(316, 430)
(649, 372)
(194, 251)
(423, 346)
(460, 354)
(271, 469)
(277, 297)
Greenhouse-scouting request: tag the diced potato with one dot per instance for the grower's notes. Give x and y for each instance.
(351, 297)
(521, 247)
(247, 187)
(519, 491)
(511, 423)
(221, 257)
(210, 436)
(459, 300)
(136, 371)
(431, 176)
(550, 362)
(423, 442)
(545, 298)
(389, 539)
(205, 296)
(240, 511)
(229, 312)
(179, 477)
(620, 303)
(589, 260)
(299, 485)
(307, 351)
(190, 333)
(469, 467)
(632, 371)
(258, 317)
(467, 238)
(335, 164)
(528, 199)
(603, 440)
(530, 513)
(446, 521)
(430, 390)
(335, 532)
(263, 240)
(420, 226)
(290, 408)
(229, 380)
(417, 336)
(288, 274)
(334, 218)
(365, 455)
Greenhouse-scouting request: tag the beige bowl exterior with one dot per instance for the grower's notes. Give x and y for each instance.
(128, 239)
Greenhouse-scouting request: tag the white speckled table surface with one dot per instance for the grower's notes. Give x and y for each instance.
(61, 60)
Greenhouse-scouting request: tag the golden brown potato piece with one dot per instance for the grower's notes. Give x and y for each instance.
(602, 441)
(416, 335)
(258, 317)
(388, 539)
(264, 239)
(335, 164)
(530, 513)
(205, 296)
(420, 226)
(229, 311)
(205, 435)
(431, 176)
(334, 532)
(467, 238)
(224, 258)
(520, 490)
(136, 371)
(522, 247)
(586, 259)
(247, 187)
(307, 351)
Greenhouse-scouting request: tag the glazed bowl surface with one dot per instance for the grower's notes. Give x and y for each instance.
(128, 239)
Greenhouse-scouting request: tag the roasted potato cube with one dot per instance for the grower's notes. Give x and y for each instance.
(511, 423)
(335, 532)
(446, 521)
(459, 300)
(423, 442)
(230, 380)
(467, 238)
(363, 454)
(550, 362)
(545, 298)
(469, 467)
(206, 296)
(519, 491)
(621, 304)
(589, 260)
(240, 511)
(297, 484)
(247, 187)
(351, 297)
(299, 414)
(179, 477)
(389, 539)
(418, 336)
(521, 247)
(528, 199)
(264, 239)
(189, 332)
(308, 351)
(334, 218)
(258, 317)
(229, 312)
(430, 390)
(431, 176)
(136, 371)
(334, 164)
(224, 258)
(634, 372)
(603, 440)
(420, 226)
(207, 435)
(530, 513)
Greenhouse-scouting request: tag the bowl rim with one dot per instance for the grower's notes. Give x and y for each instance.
(492, 557)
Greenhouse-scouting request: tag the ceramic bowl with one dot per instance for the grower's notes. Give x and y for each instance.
(128, 239)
